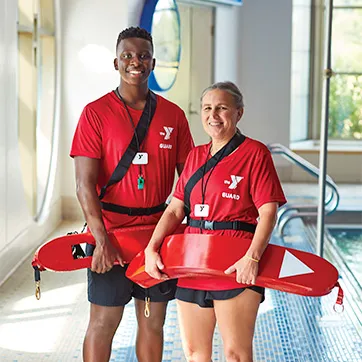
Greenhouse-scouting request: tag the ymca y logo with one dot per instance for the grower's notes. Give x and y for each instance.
(167, 133)
(234, 181)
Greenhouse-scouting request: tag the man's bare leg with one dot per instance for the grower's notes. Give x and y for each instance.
(102, 327)
(149, 342)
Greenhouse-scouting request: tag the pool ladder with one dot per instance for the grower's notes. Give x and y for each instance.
(292, 211)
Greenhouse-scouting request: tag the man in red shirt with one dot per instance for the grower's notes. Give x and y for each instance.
(129, 118)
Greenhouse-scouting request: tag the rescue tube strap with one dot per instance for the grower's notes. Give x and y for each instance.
(230, 147)
(221, 225)
(133, 211)
(37, 281)
(137, 139)
(147, 310)
(340, 297)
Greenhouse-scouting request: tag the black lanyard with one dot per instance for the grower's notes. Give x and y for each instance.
(204, 185)
(130, 117)
(140, 179)
(137, 139)
(229, 148)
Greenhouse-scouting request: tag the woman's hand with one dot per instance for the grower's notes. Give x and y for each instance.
(246, 270)
(154, 265)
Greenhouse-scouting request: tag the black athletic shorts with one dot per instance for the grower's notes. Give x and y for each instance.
(205, 298)
(114, 289)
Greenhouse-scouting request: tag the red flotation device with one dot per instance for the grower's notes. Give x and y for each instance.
(285, 269)
(196, 255)
(58, 254)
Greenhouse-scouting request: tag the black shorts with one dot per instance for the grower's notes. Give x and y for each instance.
(114, 289)
(205, 298)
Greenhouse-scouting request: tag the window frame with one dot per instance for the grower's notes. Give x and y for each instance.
(38, 21)
(317, 76)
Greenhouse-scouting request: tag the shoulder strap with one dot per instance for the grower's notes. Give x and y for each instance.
(141, 131)
(231, 146)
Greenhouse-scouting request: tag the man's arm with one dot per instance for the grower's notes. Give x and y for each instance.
(180, 168)
(86, 172)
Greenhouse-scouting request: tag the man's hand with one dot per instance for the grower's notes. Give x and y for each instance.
(104, 256)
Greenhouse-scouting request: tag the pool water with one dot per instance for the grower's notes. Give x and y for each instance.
(349, 243)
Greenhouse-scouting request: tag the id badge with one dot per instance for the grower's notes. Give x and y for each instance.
(201, 210)
(141, 158)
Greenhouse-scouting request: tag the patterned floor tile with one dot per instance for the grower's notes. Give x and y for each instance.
(289, 328)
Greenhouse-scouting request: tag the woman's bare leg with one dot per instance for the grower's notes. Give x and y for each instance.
(197, 327)
(236, 320)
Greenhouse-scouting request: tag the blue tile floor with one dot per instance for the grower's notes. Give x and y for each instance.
(289, 327)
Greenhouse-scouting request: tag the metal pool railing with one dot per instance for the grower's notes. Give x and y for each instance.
(292, 211)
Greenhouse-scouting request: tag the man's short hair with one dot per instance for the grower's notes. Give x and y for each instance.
(134, 32)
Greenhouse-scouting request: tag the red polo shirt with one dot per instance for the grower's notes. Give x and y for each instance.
(237, 187)
(104, 131)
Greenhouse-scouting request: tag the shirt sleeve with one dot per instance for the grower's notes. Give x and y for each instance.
(87, 140)
(185, 142)
(265, 184)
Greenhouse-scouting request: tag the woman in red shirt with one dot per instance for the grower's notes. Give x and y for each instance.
(228, 187)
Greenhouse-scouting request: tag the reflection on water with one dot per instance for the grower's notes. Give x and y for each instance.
(349, 243)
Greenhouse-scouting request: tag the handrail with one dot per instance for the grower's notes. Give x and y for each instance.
(331, 201)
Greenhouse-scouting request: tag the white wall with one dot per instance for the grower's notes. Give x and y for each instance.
(253, 49)
(89, 34)
(134, 12)
(226, 48)
(343, 167)
(3, 181)
(265, 67)
(19, 233)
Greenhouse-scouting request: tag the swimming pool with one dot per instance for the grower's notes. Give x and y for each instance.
(349, 244)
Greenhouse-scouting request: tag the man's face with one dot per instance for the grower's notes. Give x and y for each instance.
(134, 60)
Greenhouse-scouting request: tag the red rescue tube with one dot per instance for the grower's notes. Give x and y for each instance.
(56, 254)
(285, 269)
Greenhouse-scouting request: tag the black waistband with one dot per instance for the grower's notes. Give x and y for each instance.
(221, 225)
(133, 211)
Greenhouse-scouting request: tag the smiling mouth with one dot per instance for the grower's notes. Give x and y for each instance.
(135, 72)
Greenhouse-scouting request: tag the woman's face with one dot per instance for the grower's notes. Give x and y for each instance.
(219, 114)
